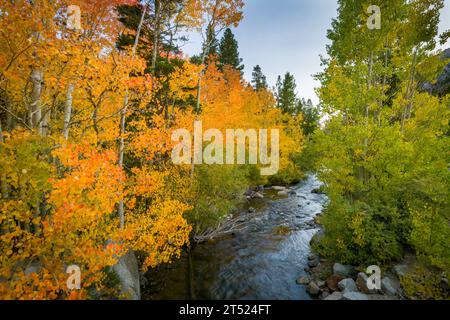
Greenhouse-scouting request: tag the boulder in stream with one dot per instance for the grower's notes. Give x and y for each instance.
(313, 288)
(343, 270)
(347, 285)
(304, 280)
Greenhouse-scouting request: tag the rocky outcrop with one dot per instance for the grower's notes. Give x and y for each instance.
(127, 270)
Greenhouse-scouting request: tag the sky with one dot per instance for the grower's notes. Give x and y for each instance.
(288, 35)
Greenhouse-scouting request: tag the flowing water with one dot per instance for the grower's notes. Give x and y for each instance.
(261, 262)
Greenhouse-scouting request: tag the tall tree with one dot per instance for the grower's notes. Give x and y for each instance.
(213, 48)
(218, 14)
(311, 116)
(229, 51)
(285, 93)
(370, 89)
(259, 80)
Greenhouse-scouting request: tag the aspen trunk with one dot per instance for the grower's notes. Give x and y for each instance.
(156, 35)
(3, 183)
(410, 91)
(35, 110)
(68, 111)
(123, 114)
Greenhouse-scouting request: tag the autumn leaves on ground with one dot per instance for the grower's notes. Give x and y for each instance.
(86, 118)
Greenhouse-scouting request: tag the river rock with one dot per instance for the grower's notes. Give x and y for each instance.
(335, 296)
(310, 223)
(321, 284)
(347, 285)
(33, 267)
(127, 270)
(318, 236)
(389, 287)
(381, 297)
(313, 263)
(312, 257)
(278, 188)
(304, 280)
(445, 283)
(313, 288)
(257, 195)
(324, 295)
(401, 270)
(317, 191)
(283, 193)
(332, 282)
(317, 219)
(251, 210)
(361, 282)
(354, 296)
(342, 270)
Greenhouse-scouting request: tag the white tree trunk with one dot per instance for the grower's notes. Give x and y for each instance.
(68, 111)
(35, 110)
(123, 114)
(3, 184)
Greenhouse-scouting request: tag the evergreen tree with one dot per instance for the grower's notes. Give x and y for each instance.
(259, 80)
(311, 117)
(228, 51)
(285, 93)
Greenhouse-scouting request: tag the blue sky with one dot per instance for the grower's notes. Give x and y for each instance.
(288, 35)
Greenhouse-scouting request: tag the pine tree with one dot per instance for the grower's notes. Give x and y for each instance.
(259, 80)
(311, 116)
(285, 93)
(228, 51)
